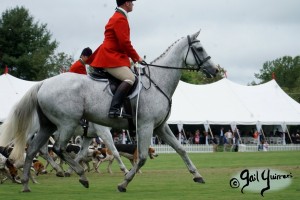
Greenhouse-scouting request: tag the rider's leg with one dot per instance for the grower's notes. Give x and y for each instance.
(127, 77)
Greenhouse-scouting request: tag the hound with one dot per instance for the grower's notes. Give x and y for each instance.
(38, 167)
(128, 151)
(7, 169)
(92, 155)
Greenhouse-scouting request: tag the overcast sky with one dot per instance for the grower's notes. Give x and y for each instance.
(240, 35)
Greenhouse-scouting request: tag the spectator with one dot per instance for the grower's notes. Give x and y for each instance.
(278, 133)
(197, 137)
(236, 140)
(265, 146)
(229, 136)
(221, 142)
(255, 136)
(297, 140)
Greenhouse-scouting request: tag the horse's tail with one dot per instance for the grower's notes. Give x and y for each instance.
(18, 125)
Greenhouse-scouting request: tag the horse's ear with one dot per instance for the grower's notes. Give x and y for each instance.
(195, 35)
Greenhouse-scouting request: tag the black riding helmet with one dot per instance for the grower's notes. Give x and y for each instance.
(121, 2)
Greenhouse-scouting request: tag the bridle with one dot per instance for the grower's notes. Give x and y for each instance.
(198, 60)
(199, 67)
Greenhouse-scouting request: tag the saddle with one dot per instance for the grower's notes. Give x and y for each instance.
(99, 74)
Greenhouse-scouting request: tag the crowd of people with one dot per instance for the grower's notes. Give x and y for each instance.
(223, 137)
(229, 139)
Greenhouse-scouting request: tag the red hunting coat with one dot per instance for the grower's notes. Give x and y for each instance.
(78, 67)
(116, 48)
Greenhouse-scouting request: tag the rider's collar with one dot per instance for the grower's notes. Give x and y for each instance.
(123, 11)
(80, 60)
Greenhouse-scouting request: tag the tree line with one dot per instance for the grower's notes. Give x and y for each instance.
(27, 48)
(28, 51)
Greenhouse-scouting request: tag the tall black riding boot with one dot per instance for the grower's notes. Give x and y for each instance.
(117, 101)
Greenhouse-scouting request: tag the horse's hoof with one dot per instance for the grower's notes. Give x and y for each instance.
(84, 183)
(67, 174)
(17, 181)
(26, 190)
(121, 189)
(60, 174)
(199, 180)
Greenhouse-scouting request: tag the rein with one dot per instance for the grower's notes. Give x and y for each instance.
(199, 67)
(159, 89)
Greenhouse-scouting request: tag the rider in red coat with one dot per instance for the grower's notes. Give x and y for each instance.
(79, 66)
(114, 53)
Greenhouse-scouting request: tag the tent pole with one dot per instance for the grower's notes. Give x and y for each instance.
(211, 134)
(129, 136)
(184, 135)
(208, 128)
(238, 132)
(159, 141)
(262, 131)
(287, 130)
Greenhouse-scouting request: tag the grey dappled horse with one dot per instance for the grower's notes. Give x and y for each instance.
(61, 101)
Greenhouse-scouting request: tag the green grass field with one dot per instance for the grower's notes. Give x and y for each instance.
(167, 178)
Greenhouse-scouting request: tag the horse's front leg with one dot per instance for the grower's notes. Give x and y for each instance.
(60, 151)
(144, 135)
(165, 133)
(105, 135)
(32, 177)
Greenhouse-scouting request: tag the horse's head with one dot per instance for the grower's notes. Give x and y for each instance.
(196, 57)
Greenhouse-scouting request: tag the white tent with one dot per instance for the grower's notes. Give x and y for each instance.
(11, 91)
(225, 102)
(222, 102)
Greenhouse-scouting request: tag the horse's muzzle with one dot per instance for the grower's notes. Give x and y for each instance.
(211, 73)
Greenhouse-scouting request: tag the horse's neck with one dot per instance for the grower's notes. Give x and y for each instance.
(167, 79)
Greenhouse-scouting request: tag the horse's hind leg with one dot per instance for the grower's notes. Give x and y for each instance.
(45, 154)
(82, 153)
(165, 133)
(46, 129)
(65, 133)
(73, 164)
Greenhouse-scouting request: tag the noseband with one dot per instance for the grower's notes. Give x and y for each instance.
(199, 62)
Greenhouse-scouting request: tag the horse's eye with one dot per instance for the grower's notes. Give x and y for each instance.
(199, 48)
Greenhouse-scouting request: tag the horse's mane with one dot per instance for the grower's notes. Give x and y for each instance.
(166, 51)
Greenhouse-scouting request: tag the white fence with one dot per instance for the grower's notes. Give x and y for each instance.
(209, 148)
(275, 147)
(190, 148)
